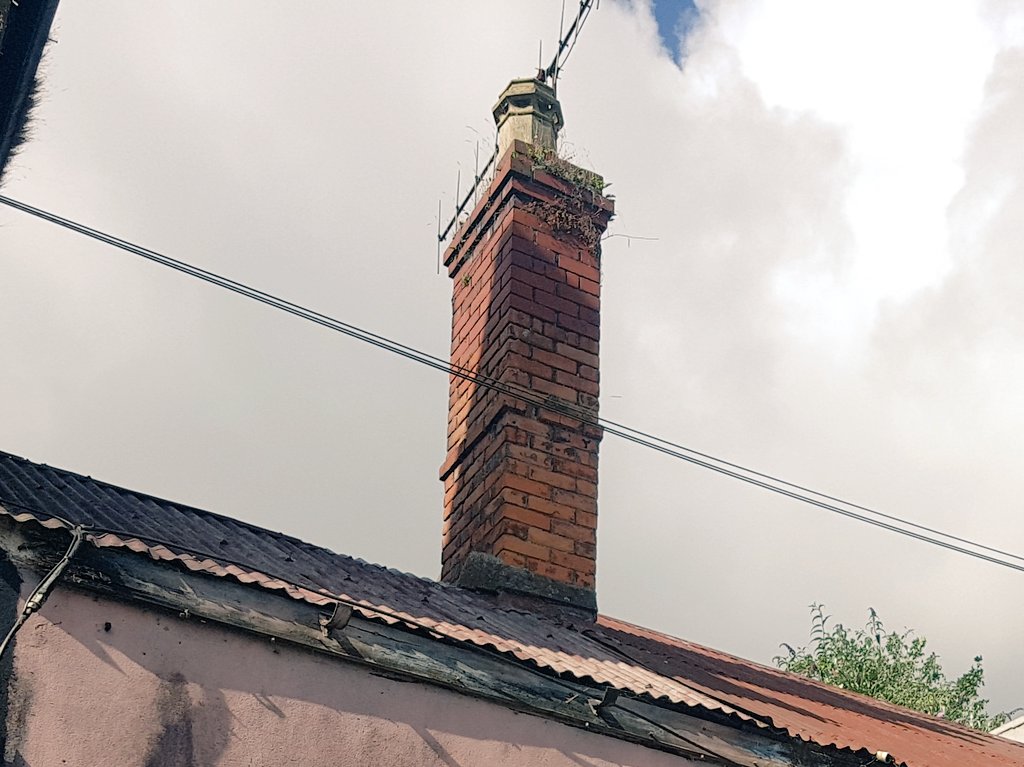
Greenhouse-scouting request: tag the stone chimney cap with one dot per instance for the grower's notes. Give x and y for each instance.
(527, 110)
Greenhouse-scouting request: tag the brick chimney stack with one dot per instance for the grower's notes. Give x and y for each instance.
(520, 501)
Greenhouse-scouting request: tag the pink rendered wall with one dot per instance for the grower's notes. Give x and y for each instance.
(156, 690)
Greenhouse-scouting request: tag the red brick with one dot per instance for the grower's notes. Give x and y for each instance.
(533, 279)
(551, 508)
(516, 559)
(565, 251)
(553, 478)
(579, 355)
(527, 485)
(532, 308)
(556, 360)
(556, 332)
(557, 573)
(560, 305)
(550, 388)
(578, 297)
(573, 561)
(521, 288)
(587, 549)
(580, 384)
(578, 501)
(570, 323)
(512, 543)
(584, 270)
(528, 455)
(532, 519)
(550, 540)
(534, 367)
(572, 530)
(558, 418)
(541, 340)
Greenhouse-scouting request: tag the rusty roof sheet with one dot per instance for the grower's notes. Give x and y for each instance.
(607, 651)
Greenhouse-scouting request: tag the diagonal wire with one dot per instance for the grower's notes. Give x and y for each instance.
(735, 471)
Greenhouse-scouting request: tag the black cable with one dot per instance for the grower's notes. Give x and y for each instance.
(794, 486)
(667, 447)
(39, 593)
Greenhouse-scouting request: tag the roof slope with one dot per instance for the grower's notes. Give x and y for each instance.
(607, 651)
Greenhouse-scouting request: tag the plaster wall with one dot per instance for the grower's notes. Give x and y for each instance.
(98, 682)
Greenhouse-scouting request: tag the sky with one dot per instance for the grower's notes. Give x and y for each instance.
(674, 19)
(832, 197)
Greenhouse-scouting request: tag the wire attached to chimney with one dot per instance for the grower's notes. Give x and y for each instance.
(735, 471)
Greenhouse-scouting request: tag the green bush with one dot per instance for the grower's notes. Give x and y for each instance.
(890, 666)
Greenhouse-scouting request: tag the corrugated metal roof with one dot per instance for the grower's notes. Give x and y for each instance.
(607, 651)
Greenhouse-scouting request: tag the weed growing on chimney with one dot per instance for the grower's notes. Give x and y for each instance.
(572, 218)
(575, 222)
(565, 170)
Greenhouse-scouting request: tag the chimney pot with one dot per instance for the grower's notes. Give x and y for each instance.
(528, 111)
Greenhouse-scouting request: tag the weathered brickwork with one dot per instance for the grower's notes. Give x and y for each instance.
(521, 480)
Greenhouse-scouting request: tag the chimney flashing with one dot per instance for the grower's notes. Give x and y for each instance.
(487, 573)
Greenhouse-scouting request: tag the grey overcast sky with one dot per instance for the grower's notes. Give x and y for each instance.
(834, 294)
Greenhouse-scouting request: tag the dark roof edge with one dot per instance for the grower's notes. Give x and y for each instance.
(709, 736)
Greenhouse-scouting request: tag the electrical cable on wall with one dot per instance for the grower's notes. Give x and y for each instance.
(39, 593)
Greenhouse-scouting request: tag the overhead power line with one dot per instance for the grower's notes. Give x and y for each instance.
(765, 481)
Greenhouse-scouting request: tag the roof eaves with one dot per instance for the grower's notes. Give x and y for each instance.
(120, 577)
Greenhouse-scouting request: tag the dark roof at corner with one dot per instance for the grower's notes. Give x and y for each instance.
(606, 651)
(24, 30)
